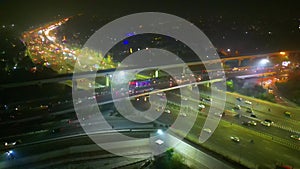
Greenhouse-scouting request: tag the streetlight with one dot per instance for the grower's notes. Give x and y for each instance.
(160, 132)
(282, 53)
(263, 63)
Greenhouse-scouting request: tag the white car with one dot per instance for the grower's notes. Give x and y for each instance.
(296, 137)
(168, 111)
(10, 144)
(253, 123)
(248, 102)
(237, 107)
(269, 121)
(207, 130)
(183, 114)
(208, 99)
(239, 99)
(160, 94)
(201, 106)
(264, 123)
(235, 139)
(159, 142)
(13, 143)
(218, 114)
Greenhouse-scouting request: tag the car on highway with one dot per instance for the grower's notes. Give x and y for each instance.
(78, 101)
(207, 130)
(248, 102)
(208, 99)
(159, 142)
(253, 115)
(168, 111)
(12, 143)
(184, 98)
(288, 114)
(44, 106)
(245, 123)
(264, 123)
(201, 106)
(218, 114)
(253, 123)
(239, 99)
(58, 130)
(235, 69)
(296, 137)
(160, 94)
(235, 139)
(237, 107)
(249, 110)
(269, 121)
(182, 114)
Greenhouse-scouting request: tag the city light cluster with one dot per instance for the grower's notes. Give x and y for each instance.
(45, 48)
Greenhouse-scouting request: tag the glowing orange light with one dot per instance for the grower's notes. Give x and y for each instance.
(282, 53)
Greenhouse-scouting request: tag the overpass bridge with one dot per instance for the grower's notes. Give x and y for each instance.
(240, 62)
(246, 60)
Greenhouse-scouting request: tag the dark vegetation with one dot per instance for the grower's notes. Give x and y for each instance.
(291, 88)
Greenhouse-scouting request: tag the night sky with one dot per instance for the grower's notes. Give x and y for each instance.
(246, 26)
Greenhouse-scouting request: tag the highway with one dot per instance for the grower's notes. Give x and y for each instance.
(282, 127)
(72, 147)
(78, 146)
(281, 148)
(276, 136)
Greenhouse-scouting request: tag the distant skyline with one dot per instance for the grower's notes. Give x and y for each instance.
(247, 26)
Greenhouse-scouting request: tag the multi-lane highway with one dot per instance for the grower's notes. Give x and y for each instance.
(277, 136)
(60, 120)
(270, 145)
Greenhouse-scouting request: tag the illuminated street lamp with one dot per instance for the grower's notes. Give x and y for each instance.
(263, 63)
(160, 132)
(282, 53)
